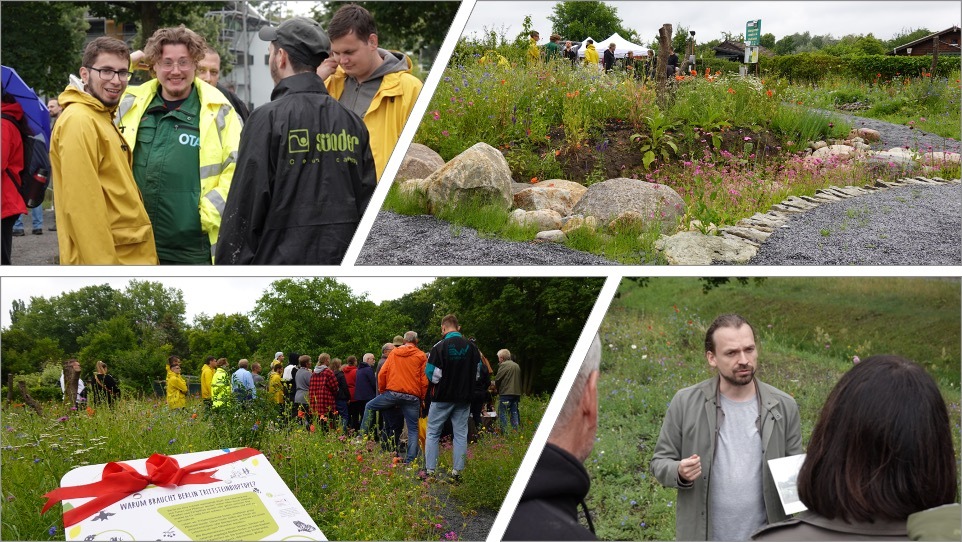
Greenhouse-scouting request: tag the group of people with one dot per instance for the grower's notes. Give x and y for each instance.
(880, 462)
(640, 67)
(176, 171)
(406, 387)
(105, 388)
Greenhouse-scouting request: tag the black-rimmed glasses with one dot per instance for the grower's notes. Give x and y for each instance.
(107, 74)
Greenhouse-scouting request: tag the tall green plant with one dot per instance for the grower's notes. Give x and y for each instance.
(659, 140)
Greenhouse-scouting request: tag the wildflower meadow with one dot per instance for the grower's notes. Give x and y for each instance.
(731, 146)
(353, 491)
(809, 332)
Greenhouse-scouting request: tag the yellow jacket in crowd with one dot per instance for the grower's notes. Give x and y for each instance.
(534, 52)
(176, 390)
(591, 55)
(220, 388)
(275, 388)
(206, 376)
(389, 110)
(220, 130)
(101, 218)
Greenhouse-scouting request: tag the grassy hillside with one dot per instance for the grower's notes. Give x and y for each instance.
(807, 329)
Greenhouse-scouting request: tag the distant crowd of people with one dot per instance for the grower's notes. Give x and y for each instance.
(178, 171)
(641, 66)
(446, 390)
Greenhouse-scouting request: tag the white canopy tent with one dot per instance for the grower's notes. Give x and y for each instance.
(622, 46)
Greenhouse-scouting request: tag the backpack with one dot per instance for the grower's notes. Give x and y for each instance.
(34, 177)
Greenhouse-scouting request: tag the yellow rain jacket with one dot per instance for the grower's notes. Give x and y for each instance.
(389, 109)
(206, 376)
(176, 390)
(220, 130)
(534, 52)
(591, 55)
(101, 218)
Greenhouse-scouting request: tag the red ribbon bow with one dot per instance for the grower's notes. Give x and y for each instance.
(120, 480)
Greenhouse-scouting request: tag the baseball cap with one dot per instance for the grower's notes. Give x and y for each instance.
(302, 38)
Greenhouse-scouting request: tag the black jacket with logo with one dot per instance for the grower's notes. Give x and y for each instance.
(304, 176)
(458, 360)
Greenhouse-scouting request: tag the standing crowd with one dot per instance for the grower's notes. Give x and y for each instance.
(641, 67)
(423, 395)
(177, 171)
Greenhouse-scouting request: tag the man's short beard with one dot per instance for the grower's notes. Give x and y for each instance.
(731, 379)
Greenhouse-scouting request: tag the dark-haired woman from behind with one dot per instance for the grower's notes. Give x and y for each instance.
(880, 451)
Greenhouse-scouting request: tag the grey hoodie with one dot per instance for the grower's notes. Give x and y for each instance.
(357, 96)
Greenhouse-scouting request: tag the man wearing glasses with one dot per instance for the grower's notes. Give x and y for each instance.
(184, 135)
(100, 213)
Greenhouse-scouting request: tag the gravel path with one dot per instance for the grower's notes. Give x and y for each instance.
(441, 243)
(36, 249)
(897, 135)
(909, 225)
(474, 525)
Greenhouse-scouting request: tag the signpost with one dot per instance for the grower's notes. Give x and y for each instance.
(753, 32)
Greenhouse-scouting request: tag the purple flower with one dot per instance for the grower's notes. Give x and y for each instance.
(52, 530)
(36, 460)
(747, 138)
(62, 419)
(855, 359)
(171, 441)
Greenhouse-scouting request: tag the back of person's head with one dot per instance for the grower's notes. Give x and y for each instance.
(104, 44)
(591, 364)
(590, 42)
(222, 362)
(410, 336)
(101, 367)
(882, 446)
(504, 354)
(242, 364)
(352, 360)
(725, 320)
(335, 365)
(324, 359)
(304, 360)
(352, 18)
(450, 321)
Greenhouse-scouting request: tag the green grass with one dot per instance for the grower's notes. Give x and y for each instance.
(807, 331)
(352, 491)
(929, 104)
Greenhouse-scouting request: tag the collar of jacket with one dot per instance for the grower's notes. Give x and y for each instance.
(299, 82)
(880, 527)
(452, 334)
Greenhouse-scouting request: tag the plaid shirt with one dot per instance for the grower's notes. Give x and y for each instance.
(321, 392)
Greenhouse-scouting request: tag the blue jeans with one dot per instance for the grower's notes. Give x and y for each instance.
(439, 413)
(410, 408)
(36, 214)
(509, 404)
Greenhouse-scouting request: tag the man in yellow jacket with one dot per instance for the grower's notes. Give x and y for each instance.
(184, 135)
(534, 52)
(374, 83)
(101, 218)
(176, 389)
(591, 55)
(206, 378)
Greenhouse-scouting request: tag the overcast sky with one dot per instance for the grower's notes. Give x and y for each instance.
(710, 19)
(211, 295)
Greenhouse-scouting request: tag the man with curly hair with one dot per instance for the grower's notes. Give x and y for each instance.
(184, 135)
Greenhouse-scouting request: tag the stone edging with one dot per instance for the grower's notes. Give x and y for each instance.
(757, 228)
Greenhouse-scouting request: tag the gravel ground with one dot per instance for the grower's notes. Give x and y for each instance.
(910, 225)
(441, 243)
(474, 526)
(897, 135)
(36, 249)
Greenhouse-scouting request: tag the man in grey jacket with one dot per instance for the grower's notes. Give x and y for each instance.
(718, 436)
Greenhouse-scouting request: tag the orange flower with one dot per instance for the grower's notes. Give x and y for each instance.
(731, 90)
(534, 180)
(300, 413)
(193, 416)
(90, 411)
(557, 152)
(503, 81)
(360, 458)
(312, 428)
(769, 92)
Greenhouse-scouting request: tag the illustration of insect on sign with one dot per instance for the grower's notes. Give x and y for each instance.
(229, 494)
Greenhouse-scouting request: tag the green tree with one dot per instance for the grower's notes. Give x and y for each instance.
(43, 41)
(309, 315)
(580, 20)
(906, 36)
(785, 46)
(537, 319)
(158, 314)
(232, 336)
(767, 41)
(108, 341)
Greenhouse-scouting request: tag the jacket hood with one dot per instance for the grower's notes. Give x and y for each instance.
(13, 109)
(394, 61)
(558, 475)
(407, 351)
(75, 94)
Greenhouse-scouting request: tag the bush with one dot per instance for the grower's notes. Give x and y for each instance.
(813, 67)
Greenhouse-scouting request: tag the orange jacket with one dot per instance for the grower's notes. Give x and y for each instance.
(403, 372)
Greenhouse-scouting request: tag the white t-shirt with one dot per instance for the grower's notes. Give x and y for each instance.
(735, 492)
